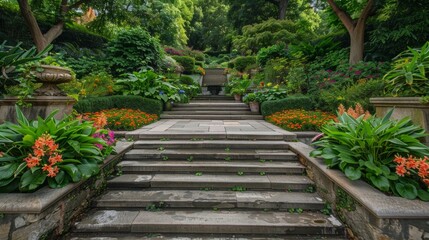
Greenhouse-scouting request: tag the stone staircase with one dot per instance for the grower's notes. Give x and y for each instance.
(177, 188)
(211, 108)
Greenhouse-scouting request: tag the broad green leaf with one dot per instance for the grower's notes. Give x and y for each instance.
(88, 170)
(423, 194)
(380, 182)
(407, 191)
(74, 144)
(353, 173)
(7, 170)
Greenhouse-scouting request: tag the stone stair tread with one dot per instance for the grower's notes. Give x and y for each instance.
(222, 144)
(217, 181)
(247, 167)
(211, 112)
(210, 199)
(213, 117)
(212, 153)
(99, 236)
(197, 221)
(212, 104)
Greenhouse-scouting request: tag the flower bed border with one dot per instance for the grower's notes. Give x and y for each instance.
(50, 212)
(368, 212)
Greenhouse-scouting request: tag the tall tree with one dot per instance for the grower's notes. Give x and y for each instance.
(355, 28)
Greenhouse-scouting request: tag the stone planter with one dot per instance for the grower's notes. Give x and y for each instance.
(196, 77)
(50, 77)
(48, 213)
(369, 213)
(237, 97)
(404, 107)
(254, 107)
(39, 106)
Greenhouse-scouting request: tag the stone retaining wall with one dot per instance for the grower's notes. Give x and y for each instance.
(370, 214)
(49, 213)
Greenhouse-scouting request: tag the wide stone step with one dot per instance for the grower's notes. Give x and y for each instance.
(211, 108)
(210, 154)
(214, 97)
(108, 236)
(213, 117)
(211, 104)
(212, 182)
(210, 222)
(238, 135)
(241, 167)
(209, 200)
(213, 144)
(210, 112)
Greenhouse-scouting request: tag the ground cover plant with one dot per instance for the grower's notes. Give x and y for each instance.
(50, 152)
(123, 119)
(300, 120)
(370, 148)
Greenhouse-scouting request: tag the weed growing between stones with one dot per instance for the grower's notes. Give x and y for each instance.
(262, 173)
(155, 207)
(238, 189)
(327, 210)
(240, 173)
(164, 139)
(164, 158)
(161, 148)
(190, 159)
(228, 158)
(199, 174)
(344, 201)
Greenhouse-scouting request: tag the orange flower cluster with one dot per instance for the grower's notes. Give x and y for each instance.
(45, 148)
(413, 166)
(122, 119)
(100, 120)
(300, 120)
(355, 112)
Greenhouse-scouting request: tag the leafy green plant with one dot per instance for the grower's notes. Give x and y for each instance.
(241, 63)
(56, 152)
(238, 189)
(198, 174)
(262, 173)
(133, 49)
(190, 158)
(365, 148)
(252, 97)
(188, 63)
(271, 52)
(408, 76)
(239, 173)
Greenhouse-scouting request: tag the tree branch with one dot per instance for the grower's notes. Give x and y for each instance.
(365, 13)
(32, 24)
(343, 16)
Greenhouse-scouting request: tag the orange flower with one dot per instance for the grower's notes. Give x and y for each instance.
(55, 159)
(32, 161)
(426, 181)
(52, 171)
(400, 170)
(1, 154)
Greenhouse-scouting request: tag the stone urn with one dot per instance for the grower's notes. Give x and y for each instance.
(237, 97)
(254, 106)
(50, 77)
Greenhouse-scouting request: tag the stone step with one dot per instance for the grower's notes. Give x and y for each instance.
(214, 97)
(228, 104)
(210, 154)
(210, 222)
(241, 108)
(225, 112)
(212, 182)
(238, 135)
(143, 236)
(241, 167)
(213, 144)
(163, 199)
(213, 117)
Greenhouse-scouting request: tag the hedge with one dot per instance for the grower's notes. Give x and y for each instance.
(241, 63)
(270, 107)
(188, 63)
(134, 102)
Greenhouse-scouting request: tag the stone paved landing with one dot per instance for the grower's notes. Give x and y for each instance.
(212, 129)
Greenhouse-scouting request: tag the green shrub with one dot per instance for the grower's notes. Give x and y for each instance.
(274, 51)
(199, 63)
(270, 107)
(186, 80)
(188, 63)
(133, 102)
(366, 148)
(241, 63)
(133, 49)
(231, 64)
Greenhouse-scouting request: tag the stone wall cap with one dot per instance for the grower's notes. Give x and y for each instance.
(379, 204)
(43, 198)
(399, 101)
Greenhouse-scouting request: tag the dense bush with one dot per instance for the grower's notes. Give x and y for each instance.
(268, 53)
(366, 149)
(133, 49)
(186, 80)
(270, 107)
(133, 102)
(241, 63)
(188, 63)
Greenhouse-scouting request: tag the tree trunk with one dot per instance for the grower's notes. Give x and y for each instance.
(356, 29)
(43, 40)
(282, 8)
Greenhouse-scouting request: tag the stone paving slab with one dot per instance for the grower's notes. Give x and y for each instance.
(229, 129)
(109, 220)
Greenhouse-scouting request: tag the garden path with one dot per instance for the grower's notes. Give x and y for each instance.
(209, 179)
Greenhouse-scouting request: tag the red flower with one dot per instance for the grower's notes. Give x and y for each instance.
(32, 161)
(400, 170)
(52, 171)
